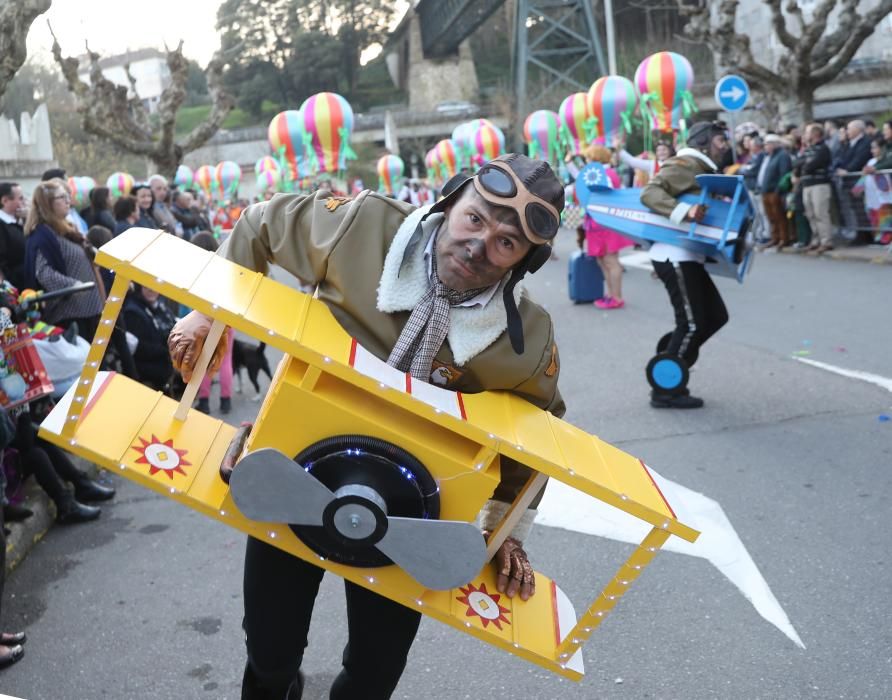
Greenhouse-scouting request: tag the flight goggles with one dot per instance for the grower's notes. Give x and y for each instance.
(498, 184)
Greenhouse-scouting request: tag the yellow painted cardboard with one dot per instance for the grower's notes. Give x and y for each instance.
(316, 393)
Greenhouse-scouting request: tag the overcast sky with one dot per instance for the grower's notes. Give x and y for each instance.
(112, 27)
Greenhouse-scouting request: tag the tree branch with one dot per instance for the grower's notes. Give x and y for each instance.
(862, 28)
(779, 22)
(16, 17)
(222, 103)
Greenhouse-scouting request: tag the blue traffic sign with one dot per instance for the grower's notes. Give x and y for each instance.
(732, 92)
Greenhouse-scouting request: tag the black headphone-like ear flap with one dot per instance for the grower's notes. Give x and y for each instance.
(538, 257)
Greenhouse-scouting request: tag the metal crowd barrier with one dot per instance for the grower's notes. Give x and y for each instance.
(864, 202)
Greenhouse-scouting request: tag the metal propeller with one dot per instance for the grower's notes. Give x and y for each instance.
(268, 486)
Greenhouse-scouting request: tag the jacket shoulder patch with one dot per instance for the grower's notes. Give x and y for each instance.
(332, 203)
(552, 368)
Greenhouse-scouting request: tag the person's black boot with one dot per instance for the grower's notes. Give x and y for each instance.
(225, 404)
(204, 406)
(88, 490)
(677, 400)
(253, 690)
(72, 512)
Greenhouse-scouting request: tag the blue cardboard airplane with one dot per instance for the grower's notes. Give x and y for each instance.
(725, 236)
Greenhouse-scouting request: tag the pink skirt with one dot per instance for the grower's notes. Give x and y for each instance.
(600, 240)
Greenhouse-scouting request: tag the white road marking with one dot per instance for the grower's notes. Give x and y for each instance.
(880, 381)
(567, 508)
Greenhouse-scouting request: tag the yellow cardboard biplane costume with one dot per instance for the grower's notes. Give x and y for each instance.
(356, 466)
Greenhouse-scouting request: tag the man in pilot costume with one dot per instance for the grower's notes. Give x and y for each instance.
(699, 309)
(434, 292)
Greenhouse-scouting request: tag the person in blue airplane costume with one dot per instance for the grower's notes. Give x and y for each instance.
(699, 309)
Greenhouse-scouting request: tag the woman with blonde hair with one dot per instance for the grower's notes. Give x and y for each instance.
(56, 257)
(603, 243)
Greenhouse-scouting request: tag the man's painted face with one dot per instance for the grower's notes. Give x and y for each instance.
(478, 243)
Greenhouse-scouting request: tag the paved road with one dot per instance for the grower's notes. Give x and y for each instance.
(146, 603)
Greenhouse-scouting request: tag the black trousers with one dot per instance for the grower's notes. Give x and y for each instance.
(280, 591)
(699, 309)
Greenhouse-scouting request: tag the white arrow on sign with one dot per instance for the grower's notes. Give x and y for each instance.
(735, 93)
(719, 544)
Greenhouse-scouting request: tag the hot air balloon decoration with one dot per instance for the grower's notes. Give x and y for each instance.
(577, 126)
(228, 176)
(612, 101)
(328, 118)
(487, 142)
(446, 158)
(390, 173)
(119, 184)
(663, 81)
(540, 132)
(206, 178)
(183, 177)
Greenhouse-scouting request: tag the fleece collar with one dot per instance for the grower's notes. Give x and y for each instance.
(404, 282)
(694, 153)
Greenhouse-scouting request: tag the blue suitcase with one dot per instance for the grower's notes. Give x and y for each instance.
(584, 279)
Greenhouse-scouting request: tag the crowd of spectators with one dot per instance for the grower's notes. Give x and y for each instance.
(47, 245)
(820, 185)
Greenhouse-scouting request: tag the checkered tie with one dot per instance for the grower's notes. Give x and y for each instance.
(426, 329)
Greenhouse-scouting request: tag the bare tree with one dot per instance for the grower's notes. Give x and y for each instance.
(108, 112)
(16, 17)
(815, 54)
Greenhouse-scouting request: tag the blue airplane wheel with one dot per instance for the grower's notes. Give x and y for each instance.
(353, 466)
(667, 373)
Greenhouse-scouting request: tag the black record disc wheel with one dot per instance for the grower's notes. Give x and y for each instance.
(371, 479)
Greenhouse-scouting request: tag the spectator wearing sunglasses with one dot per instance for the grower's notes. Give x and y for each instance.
(434, 292)
(699, 309)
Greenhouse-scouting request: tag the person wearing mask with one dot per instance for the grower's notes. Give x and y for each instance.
(145, 202)
(126, 214)
(56, 258)
(99, 212)
(698, 306)
(13, 212)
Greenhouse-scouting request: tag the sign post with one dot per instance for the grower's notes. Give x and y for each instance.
(732, 94)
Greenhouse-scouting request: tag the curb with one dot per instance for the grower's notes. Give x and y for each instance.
(26, 534)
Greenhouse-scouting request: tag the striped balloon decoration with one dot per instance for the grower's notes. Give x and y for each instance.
(446, 158)
(119, 184)
(612, 100)
(265, 163)
(390, 173)
(487, 143)
(183, 177)
(663, 81)
(430, 163)
(205, 178)
(574, 115)
(228, 175)
(540, 133)
(268, 180)
(328, 118)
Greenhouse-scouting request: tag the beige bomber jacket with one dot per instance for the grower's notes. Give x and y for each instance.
(352, 250)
